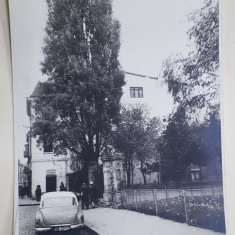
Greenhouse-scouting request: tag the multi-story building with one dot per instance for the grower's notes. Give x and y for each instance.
(147, 91)
(49, 171)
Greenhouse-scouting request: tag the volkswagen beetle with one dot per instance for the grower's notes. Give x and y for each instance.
(58, 211)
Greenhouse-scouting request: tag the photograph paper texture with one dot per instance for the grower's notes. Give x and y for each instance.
(6, 120)
(117, 103)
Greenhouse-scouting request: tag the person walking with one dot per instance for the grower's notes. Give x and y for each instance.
(92, 193)
(38, 193)
(84, 190)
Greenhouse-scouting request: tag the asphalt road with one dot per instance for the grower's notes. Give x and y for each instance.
(26, 224)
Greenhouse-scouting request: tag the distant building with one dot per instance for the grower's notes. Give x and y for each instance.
(22, 177)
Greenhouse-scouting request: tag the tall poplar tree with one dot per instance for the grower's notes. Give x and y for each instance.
(80, 102)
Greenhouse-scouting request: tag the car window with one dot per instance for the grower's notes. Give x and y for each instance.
(59, 201)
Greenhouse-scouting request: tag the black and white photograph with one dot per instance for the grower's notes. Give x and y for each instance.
(117, 117)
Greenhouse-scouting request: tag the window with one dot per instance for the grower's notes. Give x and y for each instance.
(195, 175)
(136, 92)
(59, 201)
(48, 147)
(47, 144)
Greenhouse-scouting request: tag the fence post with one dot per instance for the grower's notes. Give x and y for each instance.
(155, 200)
(122, 197)
(185, 206)
(135, 198)
(166, 192)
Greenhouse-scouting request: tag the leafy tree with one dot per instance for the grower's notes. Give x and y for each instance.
(180, 145)
(148, 167)
(135, 137)
(80, 101)
(211, 134)
(146, 147)
(193, 80)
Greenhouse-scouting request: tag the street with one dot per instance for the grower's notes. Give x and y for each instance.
(107, 221)
(26, 223)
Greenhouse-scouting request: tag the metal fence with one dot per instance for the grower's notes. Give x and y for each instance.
(199, 207)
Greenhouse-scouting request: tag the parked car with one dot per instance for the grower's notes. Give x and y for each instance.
(59, 211)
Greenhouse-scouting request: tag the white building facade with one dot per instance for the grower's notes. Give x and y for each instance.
(47, 170)
(147, 91)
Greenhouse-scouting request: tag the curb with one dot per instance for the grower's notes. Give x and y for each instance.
(32, 204)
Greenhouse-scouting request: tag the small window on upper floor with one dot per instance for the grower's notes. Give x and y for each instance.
(47, 145)
(136, 92)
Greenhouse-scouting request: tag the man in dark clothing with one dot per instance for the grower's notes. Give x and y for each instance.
(21, 191)
(62, 188)
(38, 193)
(85, 196)
(25, 190)
(92, 192)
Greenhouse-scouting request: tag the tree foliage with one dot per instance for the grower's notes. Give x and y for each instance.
(183, 143)
(193, 81)
(178, 147)
(80, 101)
(136, 138)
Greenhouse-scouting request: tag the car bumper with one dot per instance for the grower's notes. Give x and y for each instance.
(75, 226)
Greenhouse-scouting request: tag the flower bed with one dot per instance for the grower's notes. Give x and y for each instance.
(207, 212)
(202, 211)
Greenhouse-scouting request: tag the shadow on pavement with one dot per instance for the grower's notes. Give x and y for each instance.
(83, 231)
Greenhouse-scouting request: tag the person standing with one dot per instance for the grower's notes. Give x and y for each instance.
(25, 190)
(62, 188)
(38, 193)
(92, 193)
(85, 196)
(21, 191)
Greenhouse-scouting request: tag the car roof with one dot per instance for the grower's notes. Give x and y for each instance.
(58, 194)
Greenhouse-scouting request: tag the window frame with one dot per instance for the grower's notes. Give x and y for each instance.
(136, 92)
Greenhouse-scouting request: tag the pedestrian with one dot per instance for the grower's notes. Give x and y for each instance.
(92, 193)
(62, 188)
(21, 191)
(38, 193)
(85, 196)
(25, 190)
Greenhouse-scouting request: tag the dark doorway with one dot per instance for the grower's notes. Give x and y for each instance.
(51, 183)
(99, 181)
(75, 181)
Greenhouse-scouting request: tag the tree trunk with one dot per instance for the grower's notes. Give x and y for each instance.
(85, 172)
(128, 173)
(144, 177)
(132, 174)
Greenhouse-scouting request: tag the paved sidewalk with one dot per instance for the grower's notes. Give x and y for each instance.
(107, 221)
(27, 202)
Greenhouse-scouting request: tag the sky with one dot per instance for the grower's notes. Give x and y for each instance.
(151, 31)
